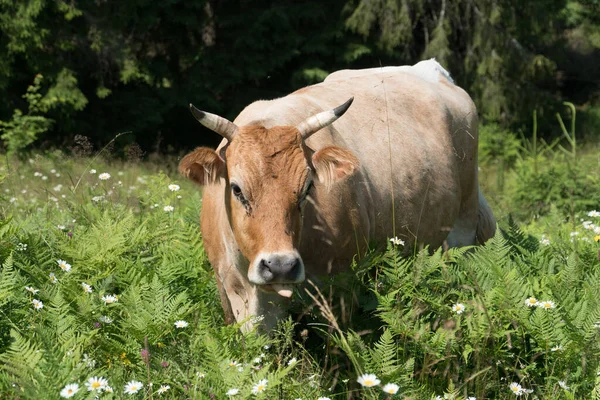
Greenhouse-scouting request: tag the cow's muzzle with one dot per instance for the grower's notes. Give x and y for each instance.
(277, 271)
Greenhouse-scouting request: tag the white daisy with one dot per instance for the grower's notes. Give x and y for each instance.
(546, 304)
(260, 387)
(96, 383)
(458, 308)
(292, 361)
(232, 392)
(69, 390)
(109, 299)
(86, 288)
(37, 304)
(163, 389)
(390, 388)
(92, 171)
(397, 242)
(132, 387)
(531, 302)
(30, 289)
(104, 176)
(173, 187)
(563, 385)
(168, 208)
(368, 380)
(181, 324)
(594, 214)
(65, 266)
(53, 277)
(105, 319)
(557, 348)
(516, 388)
(233, 363)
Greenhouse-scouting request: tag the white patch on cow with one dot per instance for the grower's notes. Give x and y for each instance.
(253, 271)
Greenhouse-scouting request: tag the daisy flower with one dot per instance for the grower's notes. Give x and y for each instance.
(96, 383)
(516, 388)
(109, 299)
(105, 319)
(168, 208)
(233, 364)
(232, 392)
(37, 304)
(86, 288)
(556, 348)
(108, 389)
(53, 277)
(260, 387)
(531, 302)
(92, 171)
(390, 388)
(163, 389)
(547, 304)
(173, 187)
(368, 380)
(30, 289)
(458, 308)
(594, 213)
(65, 266)
(563, 385)
(133, 387)
(397, 242)
(181, 324)
(292, 361)
(69, 390)
(104, 176)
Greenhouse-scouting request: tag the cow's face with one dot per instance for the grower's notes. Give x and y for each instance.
(269, 175)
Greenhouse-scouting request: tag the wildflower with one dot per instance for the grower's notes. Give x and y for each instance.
(397, 242)
(60, 227)
(53, 278)
(96, 199)
(597, 238)
(173, 187)
(557, 348)
(292, 361)
(545, 241)
(109, 299)
(323, 398)
(21, 247)
(44, 178)
(563, 385)
(104, 176)
(88, 361)
(201, 375)
(57, 188)
(531, 302)
(390, 388)
(96, 383)
(105, 319)
(179, 196)
(69, 390)
(181, 324)
(37, 174)
(65, 266)
(30, 289)
(516, 388)
(108, 389)
(86, 288)
(547, 304)
(458, 308)
(233, 364)
(594, 214)
(232, 392)
(163, 389)
(92, 171)
(260, 387)
(37, 304)
(368, 380)
(132, 387)
(168, 208)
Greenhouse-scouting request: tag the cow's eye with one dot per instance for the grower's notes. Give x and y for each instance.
(237, 191)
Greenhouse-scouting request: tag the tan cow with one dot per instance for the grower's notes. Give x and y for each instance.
(290, 194)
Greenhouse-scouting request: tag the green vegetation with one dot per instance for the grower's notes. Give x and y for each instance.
(104, 277)
(135, 65)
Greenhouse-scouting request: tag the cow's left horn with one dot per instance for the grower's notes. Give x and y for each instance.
(321, 120)
(222, 126)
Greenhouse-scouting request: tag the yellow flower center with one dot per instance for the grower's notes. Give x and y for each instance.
(95, 385)
(369, 382)
(134, 387)
(70, 391)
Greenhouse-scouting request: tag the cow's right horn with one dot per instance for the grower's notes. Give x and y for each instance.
(222, 126)
(323, 119)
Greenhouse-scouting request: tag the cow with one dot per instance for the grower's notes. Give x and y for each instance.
(301, 184)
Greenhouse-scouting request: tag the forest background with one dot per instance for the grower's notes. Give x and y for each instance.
(104, 67)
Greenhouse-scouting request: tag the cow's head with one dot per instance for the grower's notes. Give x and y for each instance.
(268, 176)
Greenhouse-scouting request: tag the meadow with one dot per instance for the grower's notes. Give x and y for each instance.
(105, 292)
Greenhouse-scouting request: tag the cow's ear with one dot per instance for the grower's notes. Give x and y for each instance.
(334, 163)
(203, 166)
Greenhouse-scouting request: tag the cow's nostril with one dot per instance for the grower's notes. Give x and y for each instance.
(264, 270)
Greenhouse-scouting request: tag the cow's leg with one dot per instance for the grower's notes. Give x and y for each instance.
(463, 232)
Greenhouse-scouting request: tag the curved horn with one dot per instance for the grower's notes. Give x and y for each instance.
(222, 126)
(323, 119)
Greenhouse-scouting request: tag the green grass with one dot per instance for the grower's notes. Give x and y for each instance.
(390, 316)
